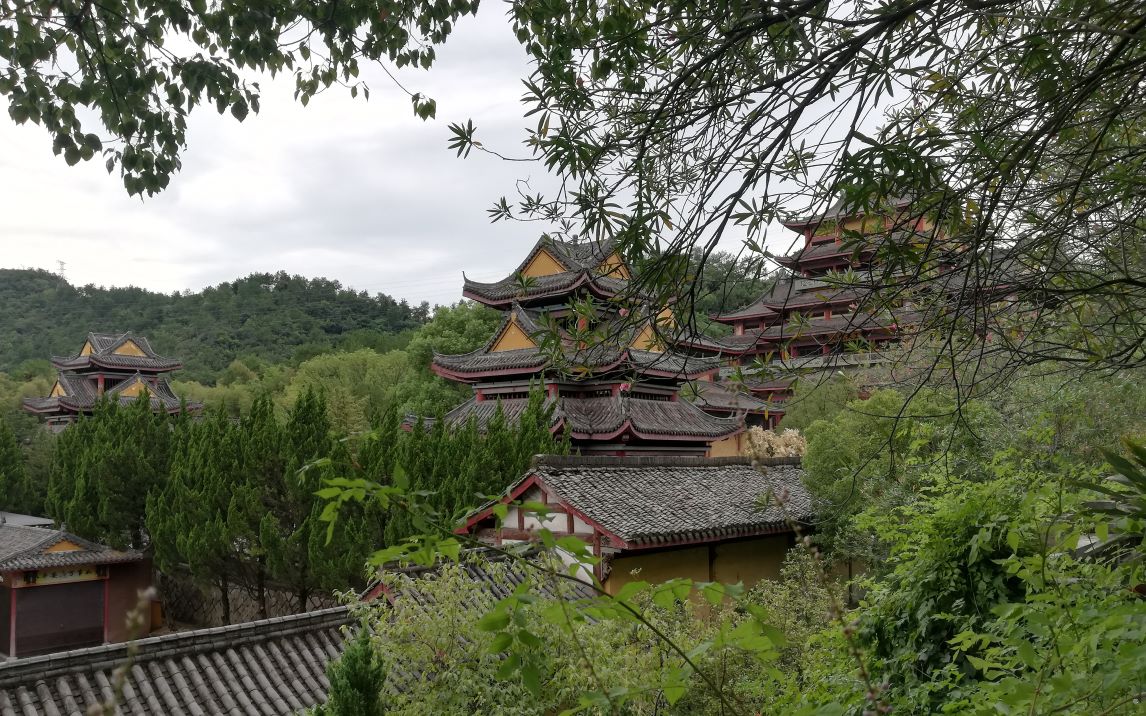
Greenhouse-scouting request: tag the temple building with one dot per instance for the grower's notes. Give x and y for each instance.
(116, 366)
(60, 592)
(660, 517)
(820, 315)
(613, 385)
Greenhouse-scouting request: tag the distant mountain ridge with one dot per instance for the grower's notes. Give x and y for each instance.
(274, 316)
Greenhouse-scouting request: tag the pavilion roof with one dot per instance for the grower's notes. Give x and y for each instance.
(644, 502)
(580, 262)
(510, 289)
(80, 395)
(103, 347)
(711, 395)
(796, 292)
(613, 356)
(840, 209)
(606, 417)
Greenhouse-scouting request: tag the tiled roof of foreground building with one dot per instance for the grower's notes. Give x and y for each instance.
(267, 667)
(658, 500)
(273, 666)
(24, 548)
(641, 502)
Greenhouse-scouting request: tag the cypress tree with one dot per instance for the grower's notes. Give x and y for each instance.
(16, 494)
(293, 535)
(190, 518)
(357, 681)
(258, 498)
(104, 468)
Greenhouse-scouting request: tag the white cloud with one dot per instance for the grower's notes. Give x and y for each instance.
(362, 192)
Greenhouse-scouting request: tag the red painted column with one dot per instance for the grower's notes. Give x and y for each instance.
(12, 622)
(106, 606)
(99, 384)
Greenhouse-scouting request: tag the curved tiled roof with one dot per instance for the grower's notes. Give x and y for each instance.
(580, 261)
(481, 363)
(710, 395)
(80, 395)
(840, 208)
(102, 355)
(24, 548)
(511, 288)
(272, 666)
(605, 417)
(792, 293)
(583, 254)
(653, 501)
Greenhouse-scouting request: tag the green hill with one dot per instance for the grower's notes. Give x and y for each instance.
(275, 317)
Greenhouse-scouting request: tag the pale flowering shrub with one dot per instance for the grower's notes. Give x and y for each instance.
(763, 443)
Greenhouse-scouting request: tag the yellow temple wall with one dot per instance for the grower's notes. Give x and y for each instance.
(543, 264)
(615, 267)
(751, 560)
(87, 349)
(512, 339)
(690, 563)
(746, 561)
(646, 340)
(129, 348)
(134, 390)
(730, 446)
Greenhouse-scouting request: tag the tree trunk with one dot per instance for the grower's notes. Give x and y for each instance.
(261, 587)
(225, 597)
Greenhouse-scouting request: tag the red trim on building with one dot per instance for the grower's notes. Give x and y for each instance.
(12, 620)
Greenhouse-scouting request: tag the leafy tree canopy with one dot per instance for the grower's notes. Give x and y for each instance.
(263, 317)
(139, 67)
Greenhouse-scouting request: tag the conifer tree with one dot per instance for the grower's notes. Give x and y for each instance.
(16, 493)
(106, 465)
(190, 520)
(292, 534)
(262, 445)
(357, 681)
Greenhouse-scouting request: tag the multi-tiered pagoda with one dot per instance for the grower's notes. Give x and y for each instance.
(112, 366)
(820, 314)
(620, 395)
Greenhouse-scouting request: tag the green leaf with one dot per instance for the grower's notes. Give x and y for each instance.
(531, 679)
(494, 621)
(500, 643)
(630, 590)
(713, 592)
(509, 665)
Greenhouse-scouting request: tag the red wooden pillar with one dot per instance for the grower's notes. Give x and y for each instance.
(99, 384)
(106, 608)
(12, 621)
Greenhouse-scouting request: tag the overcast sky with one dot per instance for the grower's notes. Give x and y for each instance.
(361, 192)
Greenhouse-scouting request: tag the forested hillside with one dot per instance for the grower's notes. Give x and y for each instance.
(275, 317)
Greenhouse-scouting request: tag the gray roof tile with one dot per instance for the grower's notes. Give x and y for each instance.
(23, 548)
(599, 416)
(218, 670)
(653, 501)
